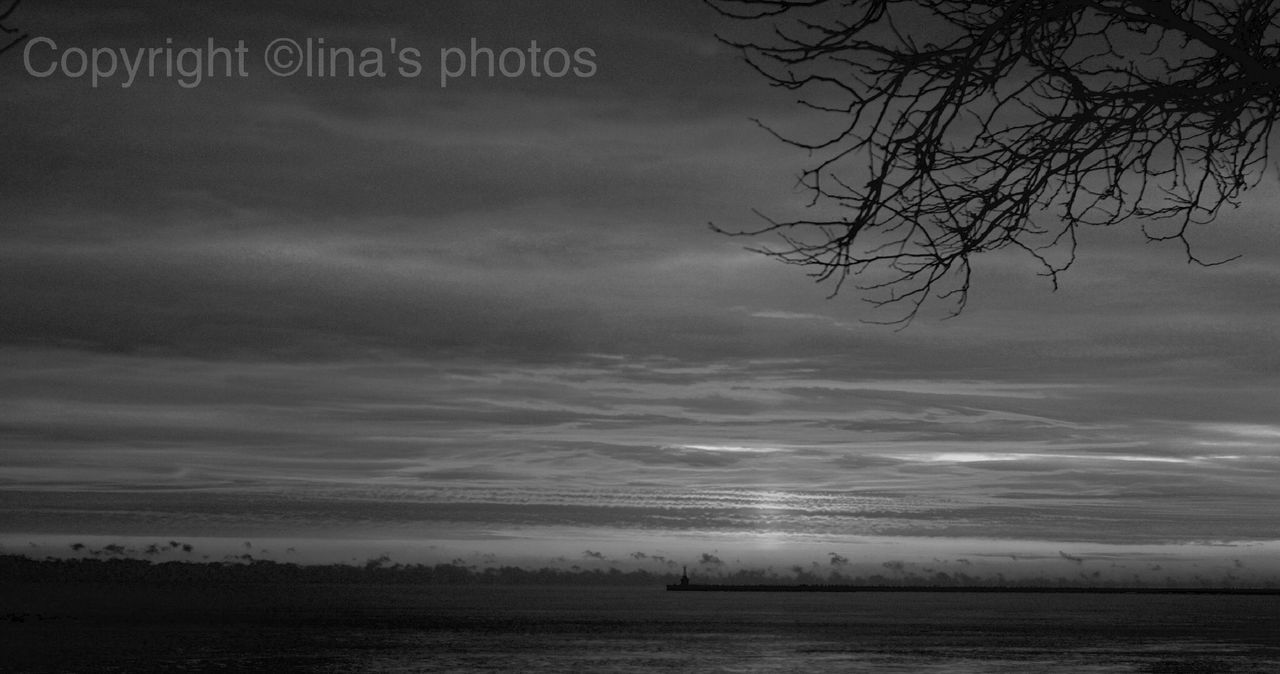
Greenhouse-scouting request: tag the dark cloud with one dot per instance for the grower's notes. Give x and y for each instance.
(271, 305)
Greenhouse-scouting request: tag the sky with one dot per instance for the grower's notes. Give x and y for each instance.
(485, 318)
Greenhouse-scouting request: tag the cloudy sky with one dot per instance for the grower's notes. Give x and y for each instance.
(490, 318)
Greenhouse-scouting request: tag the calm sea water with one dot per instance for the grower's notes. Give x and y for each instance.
(540, 629)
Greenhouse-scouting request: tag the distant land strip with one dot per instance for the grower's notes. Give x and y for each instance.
(978, 589)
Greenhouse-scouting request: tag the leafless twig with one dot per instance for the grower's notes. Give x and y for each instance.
(970, 127)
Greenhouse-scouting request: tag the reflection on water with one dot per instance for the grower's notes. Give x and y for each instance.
(397, 629)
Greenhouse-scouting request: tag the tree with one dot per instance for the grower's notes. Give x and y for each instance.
(9, 37)
(969, 127)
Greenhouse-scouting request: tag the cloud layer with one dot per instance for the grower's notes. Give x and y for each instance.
(323, 307)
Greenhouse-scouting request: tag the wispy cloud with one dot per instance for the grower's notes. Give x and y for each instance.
(315, 306)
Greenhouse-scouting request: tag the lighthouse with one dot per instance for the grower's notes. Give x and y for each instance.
(684, 575)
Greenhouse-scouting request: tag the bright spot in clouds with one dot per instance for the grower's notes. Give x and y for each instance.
(500, 314)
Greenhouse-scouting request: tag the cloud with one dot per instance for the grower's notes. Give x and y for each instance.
(270, 305)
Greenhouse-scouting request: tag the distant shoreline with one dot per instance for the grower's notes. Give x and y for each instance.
(976, 589)
(18, 569)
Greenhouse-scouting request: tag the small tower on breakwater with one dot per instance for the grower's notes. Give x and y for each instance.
(684, 576)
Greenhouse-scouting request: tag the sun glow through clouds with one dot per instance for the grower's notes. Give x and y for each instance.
(732, 449)
(500, 313)
(978, 457)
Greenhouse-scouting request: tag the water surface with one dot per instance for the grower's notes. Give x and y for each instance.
(127, 628)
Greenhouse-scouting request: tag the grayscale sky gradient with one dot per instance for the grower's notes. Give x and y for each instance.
(490, 319)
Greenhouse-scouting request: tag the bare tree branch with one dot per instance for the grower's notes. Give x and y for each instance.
(972, 127)
(9, 37)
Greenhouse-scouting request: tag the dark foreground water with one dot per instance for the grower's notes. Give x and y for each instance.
(129, 628)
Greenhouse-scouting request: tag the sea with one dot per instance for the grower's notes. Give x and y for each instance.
(397, 628)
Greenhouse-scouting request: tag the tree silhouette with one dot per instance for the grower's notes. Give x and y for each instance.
(962, 128)
(9, 37)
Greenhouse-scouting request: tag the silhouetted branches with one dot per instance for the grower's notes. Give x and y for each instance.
(970, 127)
(9, 37)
